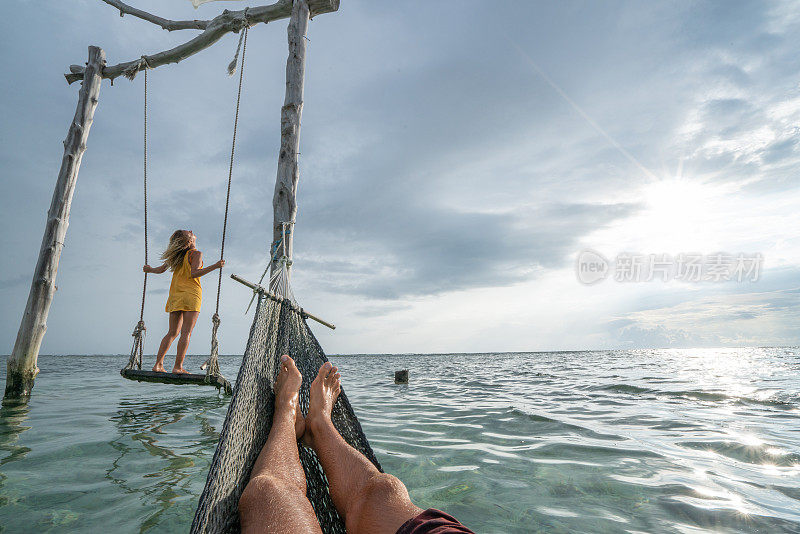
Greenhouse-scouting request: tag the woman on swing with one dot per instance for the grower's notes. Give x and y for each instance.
(185, 293)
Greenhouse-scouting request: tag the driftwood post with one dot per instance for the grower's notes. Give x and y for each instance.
(22, 368)
(284, 200)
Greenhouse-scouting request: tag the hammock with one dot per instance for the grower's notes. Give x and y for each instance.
(279, 327)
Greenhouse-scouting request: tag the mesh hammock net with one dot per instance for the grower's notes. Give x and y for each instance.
(278, 328)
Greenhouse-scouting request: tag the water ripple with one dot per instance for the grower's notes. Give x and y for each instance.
(603, 441)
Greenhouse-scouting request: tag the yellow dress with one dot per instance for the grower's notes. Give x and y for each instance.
(185, 292)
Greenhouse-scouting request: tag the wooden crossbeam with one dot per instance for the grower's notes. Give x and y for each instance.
(212, 31)
(278, 298)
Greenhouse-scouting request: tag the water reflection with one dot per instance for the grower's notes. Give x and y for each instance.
(12, 417)
(159, 446)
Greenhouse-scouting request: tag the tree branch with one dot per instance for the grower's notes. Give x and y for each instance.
(216, 28)
(168, 25)
(228, 21)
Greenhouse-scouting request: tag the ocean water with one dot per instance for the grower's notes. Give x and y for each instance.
(606, 441)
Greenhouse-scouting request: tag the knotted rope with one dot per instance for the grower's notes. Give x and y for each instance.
(279, 280)
(133, 70)
(242, 33)
(139, 330)
(212, 364)
(135, 360)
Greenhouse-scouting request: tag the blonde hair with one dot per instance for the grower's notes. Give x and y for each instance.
(179, 244)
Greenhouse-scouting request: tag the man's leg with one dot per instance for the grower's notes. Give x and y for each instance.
(370, 502)
(274, 499)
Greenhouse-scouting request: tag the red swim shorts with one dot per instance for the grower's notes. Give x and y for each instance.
(433, 521)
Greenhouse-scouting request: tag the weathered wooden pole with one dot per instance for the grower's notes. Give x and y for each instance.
(284, 200)
(22, 368)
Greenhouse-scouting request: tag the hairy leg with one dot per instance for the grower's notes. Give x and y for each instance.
(274, 499)
(175, 320)
(369, 501)
(189, 320)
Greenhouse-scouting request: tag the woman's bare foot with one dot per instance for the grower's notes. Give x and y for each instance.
(287, 394)
(159, 368)
(180, 371)
(324, 391)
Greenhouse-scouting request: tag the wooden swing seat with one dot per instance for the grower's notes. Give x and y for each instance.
(218, 382)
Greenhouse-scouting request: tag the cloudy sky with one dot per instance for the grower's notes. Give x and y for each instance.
(456, 157)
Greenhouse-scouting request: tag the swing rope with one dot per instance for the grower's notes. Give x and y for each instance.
(139, 330)
(212, 364)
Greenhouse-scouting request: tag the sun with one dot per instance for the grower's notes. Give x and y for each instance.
(680, 215)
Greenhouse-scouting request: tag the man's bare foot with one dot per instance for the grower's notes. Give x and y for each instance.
(287, 393)
(324, 391)
(180, 371)
(159, 369)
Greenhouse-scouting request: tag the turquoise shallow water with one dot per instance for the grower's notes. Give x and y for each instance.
(607, 441)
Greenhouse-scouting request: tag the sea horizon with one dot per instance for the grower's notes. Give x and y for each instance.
(231, 355)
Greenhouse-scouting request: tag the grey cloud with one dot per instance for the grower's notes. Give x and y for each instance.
(721, 318)
(743, 314)
(431, 161)
(662, 337)
(413, 251)
(728, 115)
(381, 309)
(781, 150)
(777, 288)
(731, 73)
(14, 282)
